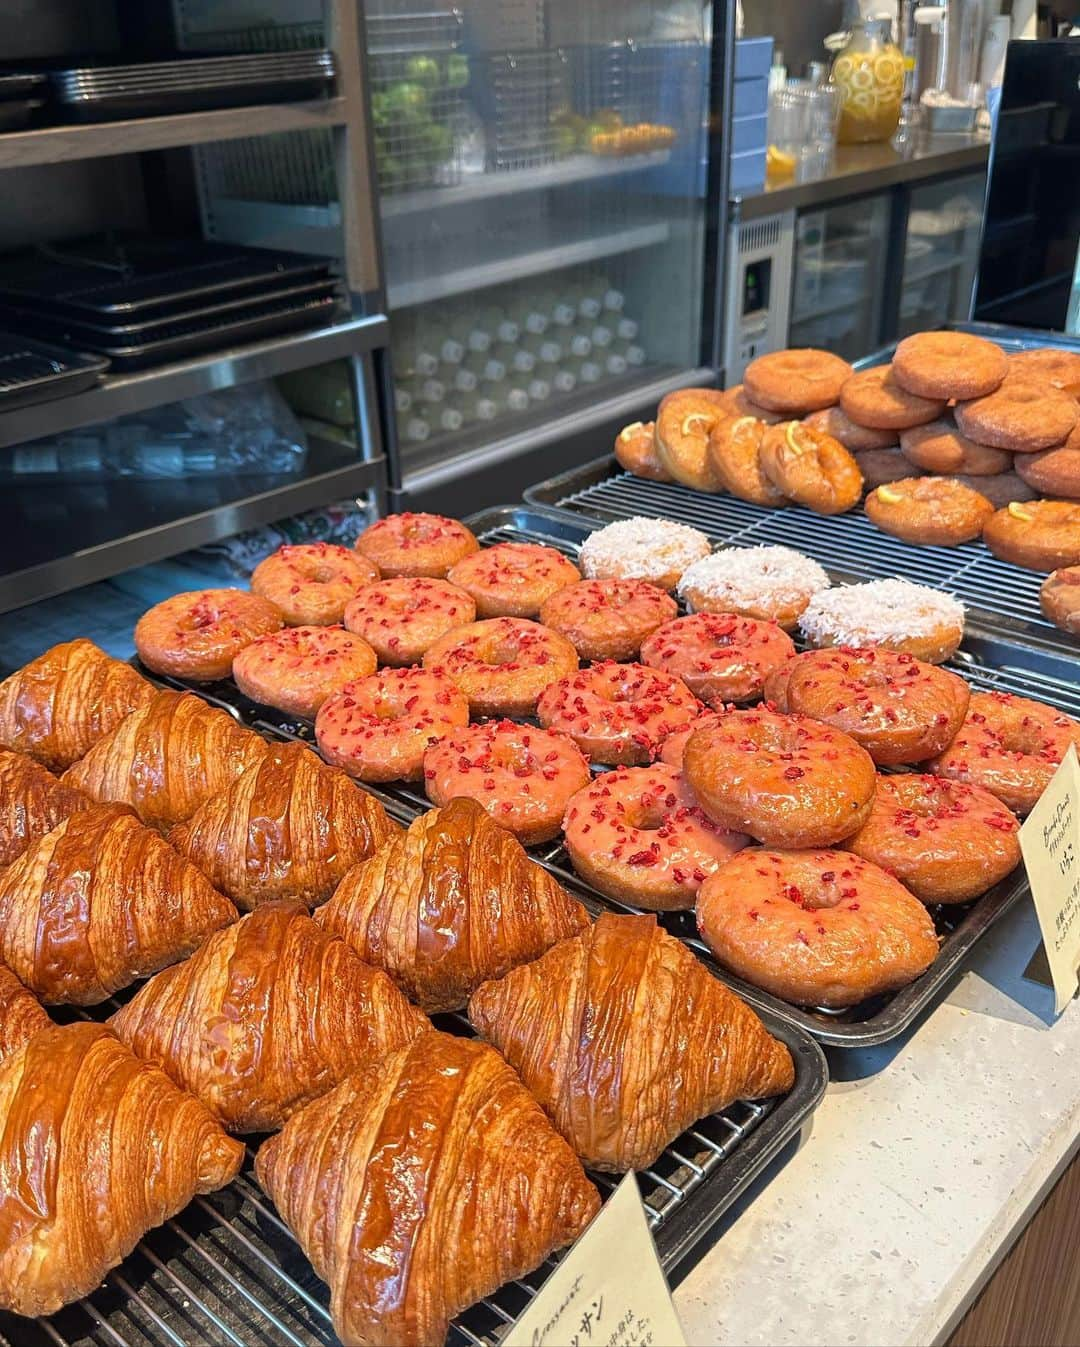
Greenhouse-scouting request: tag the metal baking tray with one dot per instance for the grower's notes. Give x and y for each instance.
(31, 371)
(19, 112)
(20, 84)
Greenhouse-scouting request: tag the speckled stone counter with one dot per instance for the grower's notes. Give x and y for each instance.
(923, 1163)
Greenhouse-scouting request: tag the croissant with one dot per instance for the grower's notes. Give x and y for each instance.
(20, 1015)
(626, 1039)
(418, 1186)
(266, 1016)
(96, 1147)
(99, 902)
(448, 904)
(167, 758)
(289, 827)
(59, 705)
(32, 803)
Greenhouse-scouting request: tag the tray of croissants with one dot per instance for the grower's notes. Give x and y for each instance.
(290, 1052)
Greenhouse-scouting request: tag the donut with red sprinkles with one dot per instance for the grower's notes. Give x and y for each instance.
(719, 656)
(310, 583)
(503, 664)
(295, 670)
(416, 544)
(608, 619)
(197, 635)
(401, 619)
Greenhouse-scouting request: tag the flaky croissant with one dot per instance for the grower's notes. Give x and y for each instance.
(289, 827)
(265, 1016)
(96, 1147)
(421, 1185)
(32, 803)
(448, 904)
(98, 902)
(626, 1039)
(59, 705)
(20, 1015)
(167, 758)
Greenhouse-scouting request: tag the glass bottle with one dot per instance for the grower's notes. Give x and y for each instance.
(869, 72)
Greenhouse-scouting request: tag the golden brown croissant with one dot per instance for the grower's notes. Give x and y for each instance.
(290, 827)
(422, 1184)
(266, 1016)
(32, 803)
(96, 1147)
(448, 904)
(626, 1039)
(59, 705)
(20, 1015)
(167, 758)
(99, 902)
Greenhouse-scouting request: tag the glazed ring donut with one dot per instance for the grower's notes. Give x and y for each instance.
(879, 466)
(310, 583)
(1059, 599)
(1018, 416)
(400, 619)
(929, 511)
(674, 746)
(771, 584)
(378, 728)
(872, 397)
(638, 836)
(684, 421)
(617, 713)
(1003, 489)
(721, 657)
(786, 780)
(635, 450)
(1048, 365)
(736, 403)
(1042, 535)
(608, 619)
(197, 635)
(416, 544)
(811, 468)
(796, 382)
(940, 447)
(735, 449)
(639, 548)
(892, 614)
(297, 669)
(898, 708)
(835, 421)
(947, 842)
(946, 365)
(1056, 472)
(502, 665)
(522, 776)
(513, 579)
(819, 928)
(1009, 745)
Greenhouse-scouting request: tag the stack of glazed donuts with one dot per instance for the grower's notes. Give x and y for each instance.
(952, 441)
(691, 761)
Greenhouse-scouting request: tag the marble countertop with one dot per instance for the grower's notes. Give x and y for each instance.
(921, 1166)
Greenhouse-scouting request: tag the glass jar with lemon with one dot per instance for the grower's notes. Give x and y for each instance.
(869, 73)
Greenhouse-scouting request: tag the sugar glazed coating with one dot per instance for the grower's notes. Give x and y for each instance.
(413, 544)
(310, 583)
(295, 670)
(198, 635)
(512, 579)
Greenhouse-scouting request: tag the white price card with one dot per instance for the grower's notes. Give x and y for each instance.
(609, 1290)
(1050, 841)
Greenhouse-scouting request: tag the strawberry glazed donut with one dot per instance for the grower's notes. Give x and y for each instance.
(522, 776)
(416, 544)
(786, 780)
(502, 665)
(898, 708)
(819, 928)
(608, 619)
(310, 583)
(1009, 745)
(945, 841)
(197, 635)
(378, 728)
(719, 656)
(297, 669)
(617, 713)
(513, 579)
(674, 746)
(638, 836)
(401, 619)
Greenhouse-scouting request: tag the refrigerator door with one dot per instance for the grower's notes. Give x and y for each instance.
(941, 253)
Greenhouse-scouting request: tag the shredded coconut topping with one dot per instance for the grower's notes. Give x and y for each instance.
(750, 575)
(880, 610)
(642, 549)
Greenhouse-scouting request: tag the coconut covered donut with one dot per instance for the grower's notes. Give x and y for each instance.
(893, 614)
(197, 635)
(296, 669)
(503, 664)
(608, 619)
(772, 584)
(656, 550)
(719, 656)
(819, 928)
(638, 836)
(310, 583)
(416, 544)
(401, 619)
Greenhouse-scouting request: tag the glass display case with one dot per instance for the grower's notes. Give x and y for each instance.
(839, 262)
(941, 253)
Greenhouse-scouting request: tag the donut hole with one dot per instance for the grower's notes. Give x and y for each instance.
(815, 896)
(1023, 738)
(500, 655)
